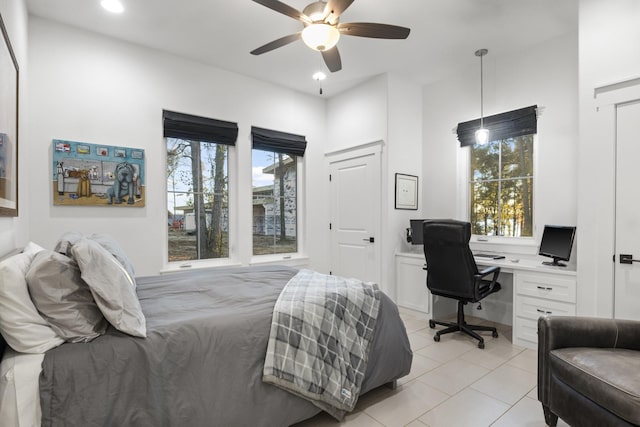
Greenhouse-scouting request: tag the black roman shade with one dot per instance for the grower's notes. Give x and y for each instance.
(501, 126)
(278, 142)
(196, 128)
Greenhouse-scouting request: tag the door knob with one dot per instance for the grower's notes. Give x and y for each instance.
(370, 240)
(627, 259)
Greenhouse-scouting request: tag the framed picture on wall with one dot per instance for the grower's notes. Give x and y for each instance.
(8, 126)
(406, 191)
(85, 174)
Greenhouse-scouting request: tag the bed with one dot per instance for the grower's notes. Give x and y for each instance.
(201, 362)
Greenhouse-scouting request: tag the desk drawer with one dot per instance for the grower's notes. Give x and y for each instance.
(532, 308)
(546, 286)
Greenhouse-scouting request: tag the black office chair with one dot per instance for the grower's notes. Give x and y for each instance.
(452, 273)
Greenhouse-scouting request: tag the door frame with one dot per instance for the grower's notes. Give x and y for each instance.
(374, 149)
(607, 99)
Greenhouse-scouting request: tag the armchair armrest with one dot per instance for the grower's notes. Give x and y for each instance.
(563, 332)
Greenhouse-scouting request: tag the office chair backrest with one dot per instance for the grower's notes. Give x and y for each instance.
(450, 263)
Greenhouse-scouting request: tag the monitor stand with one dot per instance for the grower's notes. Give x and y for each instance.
(555, 263)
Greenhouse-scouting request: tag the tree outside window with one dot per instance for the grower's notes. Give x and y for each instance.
(274, 203)
(501, 187)
(197, 199)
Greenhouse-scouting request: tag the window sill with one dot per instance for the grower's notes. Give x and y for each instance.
(281, 259)
(514, 245)
(198, 264)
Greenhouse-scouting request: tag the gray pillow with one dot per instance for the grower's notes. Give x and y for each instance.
(63, 298)
(112, 287)
(64, 243)
(69, 238)
(114, 249)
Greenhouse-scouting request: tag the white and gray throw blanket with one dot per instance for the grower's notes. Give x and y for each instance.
(321, 332)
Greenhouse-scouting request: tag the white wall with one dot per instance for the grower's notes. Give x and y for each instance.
(358, 116)
(86, 87)
(14, 232)
(609, 53)
(385, 108)
(543, 75)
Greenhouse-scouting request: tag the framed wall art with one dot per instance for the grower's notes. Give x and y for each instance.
(8, 127)
(406, 191)
(97, 175)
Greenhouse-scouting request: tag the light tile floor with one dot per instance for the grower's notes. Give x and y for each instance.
(454, 384)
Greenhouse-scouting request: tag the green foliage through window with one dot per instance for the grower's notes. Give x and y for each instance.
(197, 196)
(501, 187)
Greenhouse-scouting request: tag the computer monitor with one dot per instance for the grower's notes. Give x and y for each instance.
(557, 241)
(414, 233)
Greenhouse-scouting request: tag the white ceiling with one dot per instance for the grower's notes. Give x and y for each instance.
(444, 34)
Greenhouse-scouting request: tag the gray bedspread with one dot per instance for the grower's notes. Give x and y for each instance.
(201, 364)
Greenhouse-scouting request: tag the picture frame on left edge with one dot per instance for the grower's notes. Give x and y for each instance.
(8, 127)
(406, 191)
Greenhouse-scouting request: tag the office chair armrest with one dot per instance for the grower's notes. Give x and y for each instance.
(493, 269)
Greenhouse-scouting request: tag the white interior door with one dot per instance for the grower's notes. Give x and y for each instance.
(355, 215)
(627, 234)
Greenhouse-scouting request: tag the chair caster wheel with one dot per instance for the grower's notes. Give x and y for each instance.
(432, 325)
(436, 338)
(481, 345)
(495, 334)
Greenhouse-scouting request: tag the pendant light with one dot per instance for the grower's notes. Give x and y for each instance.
(482, 134)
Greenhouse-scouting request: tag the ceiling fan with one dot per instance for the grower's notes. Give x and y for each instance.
(322, 29)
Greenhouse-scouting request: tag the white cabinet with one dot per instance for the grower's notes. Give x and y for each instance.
(540, 294)
(411, 282)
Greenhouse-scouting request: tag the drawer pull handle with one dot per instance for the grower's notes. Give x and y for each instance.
(544, 312)
(544, 288)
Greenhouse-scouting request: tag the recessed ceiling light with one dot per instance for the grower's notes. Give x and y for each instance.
(319, 76)
(113, 6)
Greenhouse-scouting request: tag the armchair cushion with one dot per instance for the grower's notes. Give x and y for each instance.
(607, 376)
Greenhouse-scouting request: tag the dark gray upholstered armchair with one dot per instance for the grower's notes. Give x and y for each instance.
(452, 273)
(589, 371)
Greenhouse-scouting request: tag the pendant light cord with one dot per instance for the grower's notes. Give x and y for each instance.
(481, 95)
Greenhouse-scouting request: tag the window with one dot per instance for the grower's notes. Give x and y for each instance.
(501, 187)
(274, 202)
(198, 200)
(197, 185)
(275, 190)
(501, 173)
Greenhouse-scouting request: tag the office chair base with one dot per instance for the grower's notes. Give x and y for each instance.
(462, 326)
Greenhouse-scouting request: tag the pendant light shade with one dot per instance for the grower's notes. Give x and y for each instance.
(482, 134)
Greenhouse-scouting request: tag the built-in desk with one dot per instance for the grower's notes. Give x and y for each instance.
(538, 290)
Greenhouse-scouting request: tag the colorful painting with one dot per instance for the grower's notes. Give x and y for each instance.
(80, 178)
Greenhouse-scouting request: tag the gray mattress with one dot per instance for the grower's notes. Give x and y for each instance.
(201, 364)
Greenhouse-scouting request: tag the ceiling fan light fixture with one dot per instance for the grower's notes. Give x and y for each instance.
(315, 11)
(320, 37)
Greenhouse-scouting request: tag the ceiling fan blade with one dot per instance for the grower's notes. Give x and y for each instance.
(282, 41)
(373, 30)
(285, 9)
(332, 59)
(335, 8)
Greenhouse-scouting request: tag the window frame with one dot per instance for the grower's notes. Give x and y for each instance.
(231, 259)
(300, 215)
(464, 203)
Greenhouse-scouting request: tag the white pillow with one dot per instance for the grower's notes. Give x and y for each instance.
(20, 323)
